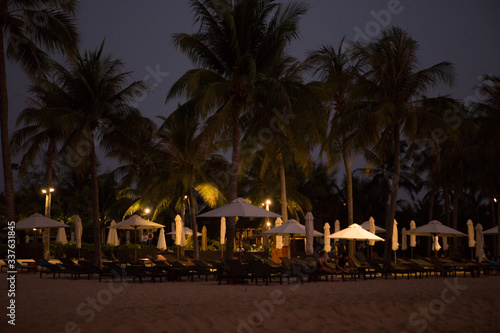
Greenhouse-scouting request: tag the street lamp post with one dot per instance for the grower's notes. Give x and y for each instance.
(46, 232)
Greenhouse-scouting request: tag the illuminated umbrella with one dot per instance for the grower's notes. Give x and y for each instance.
(162, 243)
(355, 232)
(112, 239)
(222, 235)
(413, 238)
(435, 244)
(239, 207)
(204, 239)
(179, 228)
(327, 240)
(279, 239)
(470, 233)
(135, 222)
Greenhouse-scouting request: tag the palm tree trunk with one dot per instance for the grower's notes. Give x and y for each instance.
(95, 203)
(350, 203)
(447, 203)
(48, 198)
(394, 194)
(284, 207)
(431, 204)
(4, 129)
(498, 235)
(194, 226)
(456, 196)
(233, 179)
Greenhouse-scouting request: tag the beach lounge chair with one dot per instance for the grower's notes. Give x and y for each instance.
(200, 268)
(111, 269)
(263, 271)
(237, 272)
(22, 266)
(137, 272)
(49, 268)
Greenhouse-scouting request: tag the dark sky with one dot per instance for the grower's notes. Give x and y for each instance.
(466, 33)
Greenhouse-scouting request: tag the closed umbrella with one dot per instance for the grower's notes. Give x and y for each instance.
(326, 229)
(112, 239)
(178, 230)
(445, 243)
(162, 243)
(222, 235)
(309, 233)
(413, 238)
(279, 239)
(404, 245)
(61, 235)
(204, 240)
(435, 244)
(395, 244)
(371, 228)
(479, 242)
(336, 228)
(470, 233)
(78, 232)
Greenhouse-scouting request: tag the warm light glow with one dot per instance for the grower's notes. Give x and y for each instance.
(44, 191)
(51, 190)
(268, 202)
(185, 197)
(268, 224)
(147, 210)
(495, 199)
(345, 204)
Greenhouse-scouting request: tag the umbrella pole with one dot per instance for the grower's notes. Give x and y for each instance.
(412, 252)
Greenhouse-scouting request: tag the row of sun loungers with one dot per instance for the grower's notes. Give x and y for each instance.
(260, 270)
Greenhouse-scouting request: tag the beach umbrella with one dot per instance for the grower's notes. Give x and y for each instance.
(413, 238)
(327, 240)
(204, 239)
(292, 228)
(38, 221)
(112, 239)
(435, 244)
(61, 235)
(239, 208)
(395, 244)
(279, 239)
(72, 237)
(127, 236)
(336, 228)
(78, 232)
(366, 225)
(27, 239)
(222, 235)
(309, 233)
(404, 245)
(492, 231)
(479, 242)
(355, 232)
(162, 243)
(371, 228)
(435, 228)
(445, 243)
(187, 231)
(135, 222)
(178, 231)
(470, 233)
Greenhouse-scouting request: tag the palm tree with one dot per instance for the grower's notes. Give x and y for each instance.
(393, 88)
(235, 45)
(101, 113)
(489, 120)
(25, 26)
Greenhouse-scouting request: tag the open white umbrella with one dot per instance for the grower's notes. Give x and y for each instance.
(279, 239)
(292, 228)
(327, 240)
(435, 228)
(38, 221)
(239, 208)
(162, 243)
(479, 242)
(355, 232)
(470, 233)
(492, 231)
(204, 240)
(135, 222)
(309, 233)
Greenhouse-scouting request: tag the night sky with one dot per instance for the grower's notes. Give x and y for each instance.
(466, 33)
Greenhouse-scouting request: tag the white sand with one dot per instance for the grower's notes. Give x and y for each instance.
(426, 305)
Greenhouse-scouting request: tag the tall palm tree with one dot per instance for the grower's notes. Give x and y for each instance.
(101, 113)
(489, 121)
(337, 77)
(235, 45)
(25, 27)
(393, 87)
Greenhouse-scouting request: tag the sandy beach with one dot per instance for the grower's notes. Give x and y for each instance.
(427, 305)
